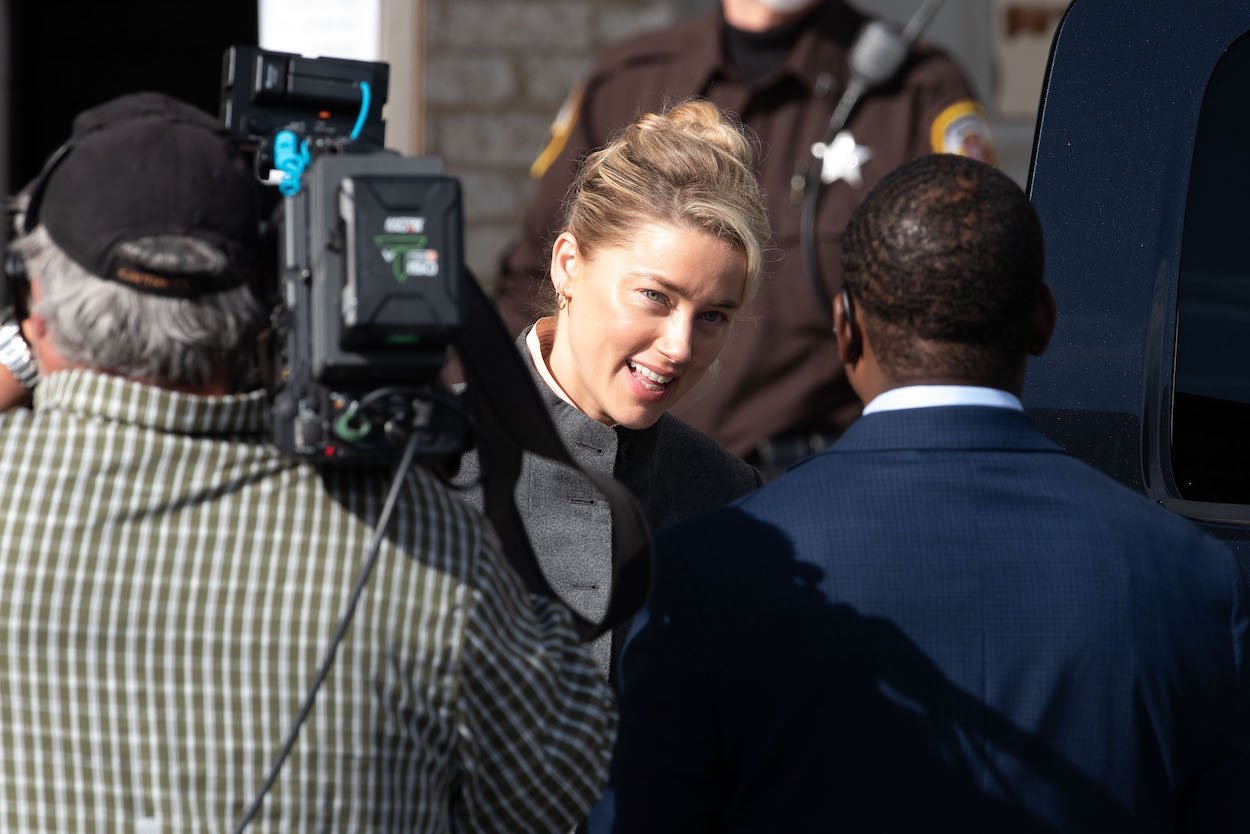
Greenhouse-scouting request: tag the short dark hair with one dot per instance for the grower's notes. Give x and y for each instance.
(944, 257)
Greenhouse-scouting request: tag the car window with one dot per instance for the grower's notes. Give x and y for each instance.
(1211, 401)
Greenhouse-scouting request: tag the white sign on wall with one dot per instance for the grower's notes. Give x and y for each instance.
(1023, 30)
(326, 28)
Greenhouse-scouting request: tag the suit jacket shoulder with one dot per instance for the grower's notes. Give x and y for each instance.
(658, 46)
(645, 73)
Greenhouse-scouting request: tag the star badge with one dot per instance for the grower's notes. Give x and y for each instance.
(842, 159)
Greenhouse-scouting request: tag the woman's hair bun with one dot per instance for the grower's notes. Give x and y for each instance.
(689, 166)
(701, 121)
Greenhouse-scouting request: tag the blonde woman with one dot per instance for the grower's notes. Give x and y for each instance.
(660, 250)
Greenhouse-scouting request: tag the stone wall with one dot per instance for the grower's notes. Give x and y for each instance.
(496, 73)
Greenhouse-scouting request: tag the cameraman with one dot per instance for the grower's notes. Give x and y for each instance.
(170, 583)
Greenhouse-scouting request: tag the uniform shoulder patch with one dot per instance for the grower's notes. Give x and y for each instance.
(963, 129)
(560, 129)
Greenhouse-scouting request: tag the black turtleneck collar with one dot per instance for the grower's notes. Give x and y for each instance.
(755, 55)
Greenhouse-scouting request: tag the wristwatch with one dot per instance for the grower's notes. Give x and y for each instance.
(15, 355)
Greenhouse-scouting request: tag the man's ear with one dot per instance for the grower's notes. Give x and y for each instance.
(845, 331)
(1043, 322)
(35, 330)
(34, 326)
(564, 264)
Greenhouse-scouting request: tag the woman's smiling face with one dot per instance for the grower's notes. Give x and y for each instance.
(640, 324)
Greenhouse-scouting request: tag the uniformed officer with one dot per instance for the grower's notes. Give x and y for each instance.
(780, 66)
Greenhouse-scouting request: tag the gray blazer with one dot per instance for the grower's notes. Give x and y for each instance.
(673, 470)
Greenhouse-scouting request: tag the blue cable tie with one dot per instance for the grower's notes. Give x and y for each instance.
(291, 158)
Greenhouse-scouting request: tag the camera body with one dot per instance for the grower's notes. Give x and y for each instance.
(370, 280)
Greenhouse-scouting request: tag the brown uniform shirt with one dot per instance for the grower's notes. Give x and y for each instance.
(779, 371)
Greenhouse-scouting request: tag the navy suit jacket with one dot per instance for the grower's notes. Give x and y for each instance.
(944, 623)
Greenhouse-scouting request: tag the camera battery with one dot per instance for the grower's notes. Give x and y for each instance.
(401, 286)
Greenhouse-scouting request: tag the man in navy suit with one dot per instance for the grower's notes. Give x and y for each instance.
(943, 623)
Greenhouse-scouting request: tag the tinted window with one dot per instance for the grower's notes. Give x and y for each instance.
(1211, 409)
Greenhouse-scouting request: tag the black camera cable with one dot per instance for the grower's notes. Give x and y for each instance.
(875, 57)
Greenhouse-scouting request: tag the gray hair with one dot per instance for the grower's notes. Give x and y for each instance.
(106, 326)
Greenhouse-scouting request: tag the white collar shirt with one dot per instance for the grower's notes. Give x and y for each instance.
(935, 396)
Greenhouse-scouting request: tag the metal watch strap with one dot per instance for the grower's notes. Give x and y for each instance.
(15, 355)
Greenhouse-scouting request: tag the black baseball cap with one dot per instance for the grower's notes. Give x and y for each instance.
(146, 165)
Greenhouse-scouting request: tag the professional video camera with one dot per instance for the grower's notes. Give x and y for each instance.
(371, 277)
(371, 292)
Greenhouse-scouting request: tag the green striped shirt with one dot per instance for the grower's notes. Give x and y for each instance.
(168, 586)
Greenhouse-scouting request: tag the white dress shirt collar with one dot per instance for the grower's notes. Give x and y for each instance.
(932, 396)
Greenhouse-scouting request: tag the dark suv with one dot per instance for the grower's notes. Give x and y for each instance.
(1141, 174)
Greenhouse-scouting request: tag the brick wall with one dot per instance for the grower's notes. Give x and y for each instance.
(496, 73)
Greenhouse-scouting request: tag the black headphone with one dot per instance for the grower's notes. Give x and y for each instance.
(15, 288)
(849, 311)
